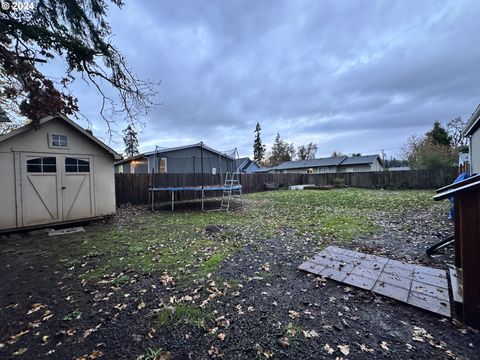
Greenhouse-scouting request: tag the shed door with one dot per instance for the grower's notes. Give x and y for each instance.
(77, 196)
(40, 189)
(56, 188)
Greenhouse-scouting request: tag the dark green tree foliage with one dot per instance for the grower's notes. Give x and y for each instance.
(77, 32)
(281, 151)
(258, 147)
(439, 135)
(307, 152)
(131, 141)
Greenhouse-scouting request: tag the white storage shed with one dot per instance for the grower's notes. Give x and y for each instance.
(56, 173)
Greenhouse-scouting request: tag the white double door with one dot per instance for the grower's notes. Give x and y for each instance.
(55, 188)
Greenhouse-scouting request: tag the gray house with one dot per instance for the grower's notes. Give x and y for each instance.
(472, 132)
(363, 163)
(246, 166)
(189, 159)
(336, 164)
(313, 166)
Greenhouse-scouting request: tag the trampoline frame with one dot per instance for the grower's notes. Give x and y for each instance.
(202, 189)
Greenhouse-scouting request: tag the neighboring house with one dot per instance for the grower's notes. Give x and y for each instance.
(55, 173)
(472, 132)
(263, 170)
(363, 163)
(336, 164)
(246, 166)
(187, 159)
(463, 158)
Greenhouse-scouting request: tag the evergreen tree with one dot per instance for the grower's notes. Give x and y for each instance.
(258, 148)
(439, 135)
(76, 31)
(131, 141)
(281, 151)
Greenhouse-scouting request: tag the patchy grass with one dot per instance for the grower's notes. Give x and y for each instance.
(182, 314)
(177, 243)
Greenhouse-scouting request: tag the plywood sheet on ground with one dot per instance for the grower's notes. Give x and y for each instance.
(419, 286)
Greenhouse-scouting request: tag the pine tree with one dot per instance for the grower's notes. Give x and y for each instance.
(131, 141)
(258, 147)
(281, 151)
(439, 135)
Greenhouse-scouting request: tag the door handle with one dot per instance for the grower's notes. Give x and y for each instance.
(64, 187)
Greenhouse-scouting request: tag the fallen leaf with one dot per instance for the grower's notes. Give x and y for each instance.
(310, 334)
(151, 333)
(268, 354)
(293, 314)
(344, 349)
(384, 346)
(141, 305)
(328, 349)
(284, 341)
(45, 338)
(35, 308)
(14, 338)
(366, 349)
(20, 351)
(221, 336)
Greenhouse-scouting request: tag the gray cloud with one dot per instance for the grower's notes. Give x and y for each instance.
(354, 76)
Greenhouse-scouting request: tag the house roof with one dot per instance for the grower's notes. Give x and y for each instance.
(162, 150)
(473, 123)
(262, 170)
(330, 161)
(200, 144)
(131, 158)
(242, 162)
(300, 164)
(46, 119)
(360, 160)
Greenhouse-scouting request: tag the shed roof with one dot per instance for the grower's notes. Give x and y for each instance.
(46, 119)
(473, 123)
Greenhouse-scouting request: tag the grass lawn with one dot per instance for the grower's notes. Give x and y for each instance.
(177, 243)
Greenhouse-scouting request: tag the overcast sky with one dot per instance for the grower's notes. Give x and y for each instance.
(351, 76)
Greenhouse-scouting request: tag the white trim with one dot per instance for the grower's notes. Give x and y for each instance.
(68, 121)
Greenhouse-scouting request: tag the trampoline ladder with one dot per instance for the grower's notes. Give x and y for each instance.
(231, 179)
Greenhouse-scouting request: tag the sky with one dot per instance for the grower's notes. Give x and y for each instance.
(350, 76)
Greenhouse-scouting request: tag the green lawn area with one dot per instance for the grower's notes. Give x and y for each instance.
(177, 243)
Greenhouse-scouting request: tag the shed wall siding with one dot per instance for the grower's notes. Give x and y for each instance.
(37, 141)
(475, 152)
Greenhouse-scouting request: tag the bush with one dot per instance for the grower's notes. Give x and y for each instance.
(338, 182)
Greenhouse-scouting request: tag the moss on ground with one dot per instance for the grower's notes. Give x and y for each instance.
(183, 314)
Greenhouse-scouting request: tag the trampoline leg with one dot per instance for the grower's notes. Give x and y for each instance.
(173, 200)
(203, 199)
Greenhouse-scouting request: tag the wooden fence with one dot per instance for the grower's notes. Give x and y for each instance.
(133, 188)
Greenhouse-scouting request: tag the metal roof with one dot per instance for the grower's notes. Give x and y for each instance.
(473, 122)
(300, 164)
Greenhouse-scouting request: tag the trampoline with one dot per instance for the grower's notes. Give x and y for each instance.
(225, 188)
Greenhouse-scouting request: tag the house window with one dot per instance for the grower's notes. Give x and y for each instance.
(42, 165)
(162, 166)
(73, 165)
(310, 171)
(59, 140)
(214, 171)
